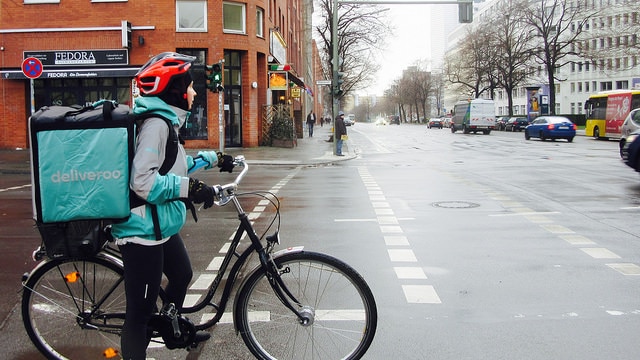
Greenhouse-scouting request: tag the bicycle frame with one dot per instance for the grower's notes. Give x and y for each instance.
(228, 195)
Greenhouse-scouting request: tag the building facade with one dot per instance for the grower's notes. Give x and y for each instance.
(609, 31)
(91, 49)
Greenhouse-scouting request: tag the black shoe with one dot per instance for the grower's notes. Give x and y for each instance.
(201, 336)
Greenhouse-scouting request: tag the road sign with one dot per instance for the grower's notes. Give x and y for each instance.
(32, 68)
(323, 82)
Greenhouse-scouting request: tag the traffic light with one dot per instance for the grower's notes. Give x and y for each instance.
(337, 85)
(465, 12)
(214, 78)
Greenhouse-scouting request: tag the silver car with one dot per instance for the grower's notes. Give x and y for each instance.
(631, 124)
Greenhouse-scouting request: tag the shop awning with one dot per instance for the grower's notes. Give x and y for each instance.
(296, 80)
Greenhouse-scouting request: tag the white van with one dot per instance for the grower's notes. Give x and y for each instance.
(473, 116)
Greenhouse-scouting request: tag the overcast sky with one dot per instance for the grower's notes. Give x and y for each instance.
(411, 42)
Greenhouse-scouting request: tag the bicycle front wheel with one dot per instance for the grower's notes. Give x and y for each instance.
(74, 309)
(334, 298)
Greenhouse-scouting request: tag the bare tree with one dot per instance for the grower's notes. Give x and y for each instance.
(470, 68)
(362, 30)
(558, 25)
(438, 92)
(511, 43)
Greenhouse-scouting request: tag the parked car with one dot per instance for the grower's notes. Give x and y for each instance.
(348, 121)
(551, 127)
(630, 151)
(501, 123)
(516, 124)
(437, 123)
(394, 119)
(631, 124)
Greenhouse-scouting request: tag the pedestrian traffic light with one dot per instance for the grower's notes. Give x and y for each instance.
(214, 78)
(465, 11)
(337, 85)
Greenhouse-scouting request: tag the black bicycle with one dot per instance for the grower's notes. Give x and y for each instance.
(294, 304)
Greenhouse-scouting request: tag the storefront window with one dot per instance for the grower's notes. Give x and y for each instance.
(82, 92)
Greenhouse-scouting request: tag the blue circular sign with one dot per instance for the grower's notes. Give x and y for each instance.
(32, 68)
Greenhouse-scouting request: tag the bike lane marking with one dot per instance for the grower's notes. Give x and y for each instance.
(398, 246)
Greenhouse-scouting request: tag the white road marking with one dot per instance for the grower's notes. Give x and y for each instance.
(600, 253)
(576, 239)
(557, 229)
(421, 294)
(410, 272)
(402, 255)
(392, 232)
(625, 268)
(214, 265)
(202, 282)
(396, 240)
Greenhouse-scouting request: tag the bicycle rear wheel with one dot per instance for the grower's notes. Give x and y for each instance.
(338, 302)
(74, 309)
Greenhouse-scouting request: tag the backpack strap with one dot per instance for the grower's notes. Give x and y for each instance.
(171, 155)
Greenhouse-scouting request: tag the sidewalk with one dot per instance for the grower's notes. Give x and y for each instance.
(310, 151)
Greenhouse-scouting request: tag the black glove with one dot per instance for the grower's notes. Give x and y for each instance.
(200, 192)
(225, 162)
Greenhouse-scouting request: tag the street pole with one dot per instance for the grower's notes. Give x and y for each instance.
(221, 110)
(335, 69)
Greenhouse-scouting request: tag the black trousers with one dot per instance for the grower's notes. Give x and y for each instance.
(143, 269)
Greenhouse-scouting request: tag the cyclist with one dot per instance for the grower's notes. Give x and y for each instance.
(149, 238)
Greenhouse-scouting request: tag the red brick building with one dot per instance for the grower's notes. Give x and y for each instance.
(90, 50)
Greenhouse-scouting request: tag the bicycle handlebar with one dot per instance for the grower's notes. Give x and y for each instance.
(225, 192)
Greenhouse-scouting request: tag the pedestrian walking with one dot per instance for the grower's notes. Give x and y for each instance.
(341, 132)
(311, 120)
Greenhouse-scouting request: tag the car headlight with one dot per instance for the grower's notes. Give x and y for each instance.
(630, 139)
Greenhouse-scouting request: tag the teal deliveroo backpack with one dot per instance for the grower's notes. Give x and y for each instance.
(80, 167)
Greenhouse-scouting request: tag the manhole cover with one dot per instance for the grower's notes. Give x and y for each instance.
(455, 204)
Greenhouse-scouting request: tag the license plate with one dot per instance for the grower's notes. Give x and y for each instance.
(563, 128)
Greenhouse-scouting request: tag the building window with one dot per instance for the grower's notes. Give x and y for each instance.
(622, 85)
(191, 15)
(259, 22)
(234, 17)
